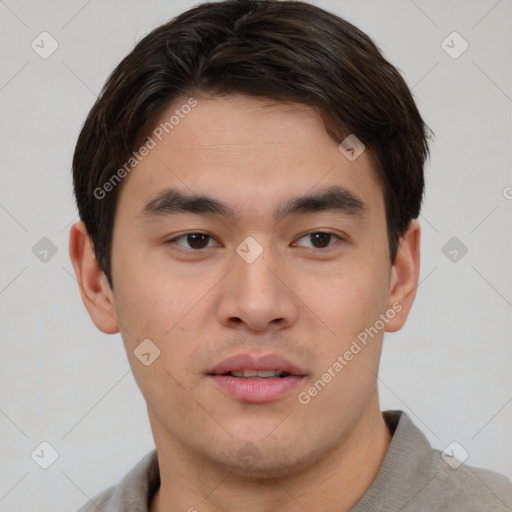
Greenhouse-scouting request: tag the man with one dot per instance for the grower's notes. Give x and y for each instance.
(249, 182)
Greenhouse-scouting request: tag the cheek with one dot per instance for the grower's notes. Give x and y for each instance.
(150, 307)
(348, 301)
(169, 309)
(147, 305)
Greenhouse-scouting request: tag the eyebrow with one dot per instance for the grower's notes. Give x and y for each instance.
(330, 199)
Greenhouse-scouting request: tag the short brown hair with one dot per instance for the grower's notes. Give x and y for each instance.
(285, 51)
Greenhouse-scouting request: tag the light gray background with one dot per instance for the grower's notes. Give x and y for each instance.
(64, 382)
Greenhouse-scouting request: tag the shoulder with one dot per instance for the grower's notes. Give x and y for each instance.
(474, 488)
(99, 502)
(133, 492)
(414, 477)
(449, 484)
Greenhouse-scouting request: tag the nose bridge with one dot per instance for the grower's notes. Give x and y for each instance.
(252, 270)
(253, 293)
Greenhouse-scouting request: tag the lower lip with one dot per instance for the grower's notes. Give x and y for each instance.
(257, 390)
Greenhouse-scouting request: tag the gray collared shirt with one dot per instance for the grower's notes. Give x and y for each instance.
(413, 478)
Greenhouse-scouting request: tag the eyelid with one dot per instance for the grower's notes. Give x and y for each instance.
(323, 231)
(184, 235)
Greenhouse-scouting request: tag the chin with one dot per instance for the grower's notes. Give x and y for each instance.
(266, 460)
(268, 470)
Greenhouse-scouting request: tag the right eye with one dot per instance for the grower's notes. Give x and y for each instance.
(193, 241)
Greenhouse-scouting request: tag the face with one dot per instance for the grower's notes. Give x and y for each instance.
(245, 241)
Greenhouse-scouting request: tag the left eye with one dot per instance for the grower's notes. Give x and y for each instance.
(318, 240)
(193, 241)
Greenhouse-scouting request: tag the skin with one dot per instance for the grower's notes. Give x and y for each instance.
(304, 302)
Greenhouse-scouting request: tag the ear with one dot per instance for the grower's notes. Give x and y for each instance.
(404, 277)
(94, 288)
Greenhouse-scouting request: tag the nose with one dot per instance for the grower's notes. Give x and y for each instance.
(257, 296)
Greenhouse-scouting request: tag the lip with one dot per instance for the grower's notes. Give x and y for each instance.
(248, 362)
(257, 390)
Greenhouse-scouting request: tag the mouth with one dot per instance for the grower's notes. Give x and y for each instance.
(258, 374)
(257, 379)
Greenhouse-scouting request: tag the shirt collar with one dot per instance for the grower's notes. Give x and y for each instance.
(407, 467)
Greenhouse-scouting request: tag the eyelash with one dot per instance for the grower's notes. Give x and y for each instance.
(185, 235)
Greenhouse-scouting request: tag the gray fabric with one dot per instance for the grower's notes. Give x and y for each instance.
(412, 478)
(132, 493)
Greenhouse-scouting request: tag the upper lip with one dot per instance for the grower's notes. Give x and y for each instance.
(248, 362)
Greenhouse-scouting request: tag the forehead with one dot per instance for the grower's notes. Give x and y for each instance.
(246, 151)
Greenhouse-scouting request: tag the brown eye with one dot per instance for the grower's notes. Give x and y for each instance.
(318, 240)
(193, 241)
(198, 240)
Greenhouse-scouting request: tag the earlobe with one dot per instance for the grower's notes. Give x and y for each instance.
(404, 277)
(94, 288)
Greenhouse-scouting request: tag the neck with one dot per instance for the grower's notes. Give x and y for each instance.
(335, 482)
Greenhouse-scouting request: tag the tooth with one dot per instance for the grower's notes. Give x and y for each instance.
(250, 373)
(267, 373)
(247, 374)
